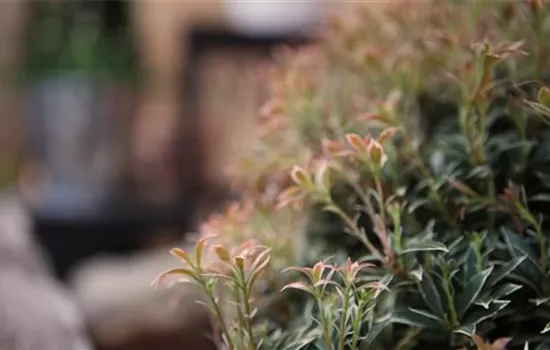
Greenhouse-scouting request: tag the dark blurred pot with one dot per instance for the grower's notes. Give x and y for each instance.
(73, 136)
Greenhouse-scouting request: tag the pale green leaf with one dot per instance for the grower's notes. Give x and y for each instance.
(424, 247)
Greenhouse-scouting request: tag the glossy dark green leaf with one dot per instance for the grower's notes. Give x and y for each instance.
(525, 281)
(470, 267)
(416, 318)
(540, 301)
(518, 246)
(374, 332)
(467, 330)
(504, 270)
(506, 290)
(431, 295)
(417, 273)
(477, 314)
(541, 197)
(471, 291)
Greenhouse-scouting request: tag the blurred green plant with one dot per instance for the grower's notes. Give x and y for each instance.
(72, 36)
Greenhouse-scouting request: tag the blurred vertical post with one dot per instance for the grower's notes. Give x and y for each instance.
(162, 29)
(12, 20)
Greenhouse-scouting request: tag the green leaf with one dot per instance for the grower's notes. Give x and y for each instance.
(504, 270)
(470, 265)
(299, 285)
(479, 172)
(414, 205)
(479, 314)
(506, 290)
(373, 332)
(546, 328)
(540, 301)
(471, 291)
(467, 330)
(424, 247)
(541, 197)
(543, 96)
(417, 318)
(516, 244)
(525, 281)
(484, 303)
(431, 296)
(417, 272)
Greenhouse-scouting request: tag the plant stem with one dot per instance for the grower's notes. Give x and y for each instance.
(325, 324)
(491, 192)
(342, 329)
(542, 245)
(381, 206)
(357, 232)
(542, 242)
(219, 315)
(526, 214)
(357, 326)
(450, 298)
(366, 201)
(237, 299)
(246, 319)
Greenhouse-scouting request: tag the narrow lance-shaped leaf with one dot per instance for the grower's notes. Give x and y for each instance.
(199, 247)
(424, 247)
(467, 330)
(506, 290)
(300, 286)
(182, 255)
(373, 333)
(504, 270)
(176, 271)
(417, 318)
(430, 294)
(479, 314)
(541, 197)
(471, 291)
(515, 245)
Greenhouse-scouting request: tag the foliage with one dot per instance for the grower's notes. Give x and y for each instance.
(422, 137)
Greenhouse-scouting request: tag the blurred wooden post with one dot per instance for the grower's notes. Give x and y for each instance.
(12, 21)
(162, 29)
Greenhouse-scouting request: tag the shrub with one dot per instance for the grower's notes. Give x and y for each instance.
(422, 137)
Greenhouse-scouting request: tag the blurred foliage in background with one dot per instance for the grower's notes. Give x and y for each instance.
(91, 37)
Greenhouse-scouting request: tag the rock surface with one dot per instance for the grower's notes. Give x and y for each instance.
(125, 312)
(36, 313)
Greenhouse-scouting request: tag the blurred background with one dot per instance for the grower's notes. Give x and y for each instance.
(117, 119)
